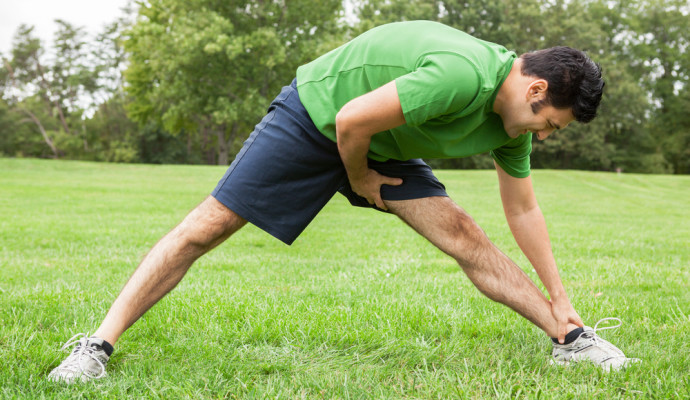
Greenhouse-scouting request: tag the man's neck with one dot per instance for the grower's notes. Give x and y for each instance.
(506, 90)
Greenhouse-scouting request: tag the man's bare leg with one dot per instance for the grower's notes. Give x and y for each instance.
(452, 230)
(205, 227)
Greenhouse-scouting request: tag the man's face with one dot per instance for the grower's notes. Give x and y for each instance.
(541, 123)
(525, 111)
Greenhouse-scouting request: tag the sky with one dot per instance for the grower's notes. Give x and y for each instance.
(91, 14)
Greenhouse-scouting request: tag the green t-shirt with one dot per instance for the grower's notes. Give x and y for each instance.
(447, 82)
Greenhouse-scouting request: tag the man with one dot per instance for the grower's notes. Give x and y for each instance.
(358, 120)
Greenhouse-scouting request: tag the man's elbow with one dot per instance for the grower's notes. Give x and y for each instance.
(341, 122)
(521, 209)
(345, 125)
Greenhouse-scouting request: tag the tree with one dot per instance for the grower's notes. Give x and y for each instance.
(660, 49)
(112, 135)
(18, 133)
(210, 68)
(53, 88)
(22, 72)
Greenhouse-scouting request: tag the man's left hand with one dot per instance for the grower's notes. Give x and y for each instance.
(565, 314)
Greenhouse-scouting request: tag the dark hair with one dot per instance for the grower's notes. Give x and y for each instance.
(574, 79)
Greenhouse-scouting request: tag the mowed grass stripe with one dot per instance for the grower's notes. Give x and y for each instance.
(359, 307)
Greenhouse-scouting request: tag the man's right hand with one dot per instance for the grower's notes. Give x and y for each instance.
(369, 186)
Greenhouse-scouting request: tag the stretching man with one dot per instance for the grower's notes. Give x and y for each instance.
(357, 121)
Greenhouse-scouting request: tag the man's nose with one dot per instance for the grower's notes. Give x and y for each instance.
(544, 133)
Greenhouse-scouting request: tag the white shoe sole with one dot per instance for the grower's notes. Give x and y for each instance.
(628, 362)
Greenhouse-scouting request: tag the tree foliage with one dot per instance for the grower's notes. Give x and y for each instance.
(55, 91)
(209, 68)
(200, 74)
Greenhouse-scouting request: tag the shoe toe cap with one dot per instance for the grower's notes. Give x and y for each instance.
(618, 363)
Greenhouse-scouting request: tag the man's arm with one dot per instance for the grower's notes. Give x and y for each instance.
(527, 224)
(355, 124)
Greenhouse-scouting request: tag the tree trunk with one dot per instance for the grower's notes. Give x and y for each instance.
(190, 142)
(31, 115)
(223, 148)
(207, 150)
(233, 135)
(56, 102)
(46, 138)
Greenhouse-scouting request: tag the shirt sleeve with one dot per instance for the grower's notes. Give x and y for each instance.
(513, 157)
(441, 84)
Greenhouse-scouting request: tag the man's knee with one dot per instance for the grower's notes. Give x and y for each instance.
(465, 236)
(209, 224)
(443, 223)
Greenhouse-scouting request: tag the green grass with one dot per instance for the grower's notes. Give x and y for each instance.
(359, 307)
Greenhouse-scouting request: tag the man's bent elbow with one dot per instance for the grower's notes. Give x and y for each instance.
(343, 124)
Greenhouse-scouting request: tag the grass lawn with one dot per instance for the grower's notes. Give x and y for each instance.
(359, 307)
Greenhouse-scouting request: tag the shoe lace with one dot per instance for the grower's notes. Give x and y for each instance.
(81, 349)
(596, 326)
(600, 341)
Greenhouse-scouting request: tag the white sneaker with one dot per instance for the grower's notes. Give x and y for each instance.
(86, 362)
(589, 347)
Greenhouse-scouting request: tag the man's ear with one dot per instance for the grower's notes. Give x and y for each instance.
(536, 91)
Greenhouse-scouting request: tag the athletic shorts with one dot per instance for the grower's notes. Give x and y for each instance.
(287, 171)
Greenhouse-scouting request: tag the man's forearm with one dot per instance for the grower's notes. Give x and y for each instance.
(529, 230)
(359, 119)
(353, 151)
(355, 124)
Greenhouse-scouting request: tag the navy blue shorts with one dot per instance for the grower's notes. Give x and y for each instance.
(287, 171)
